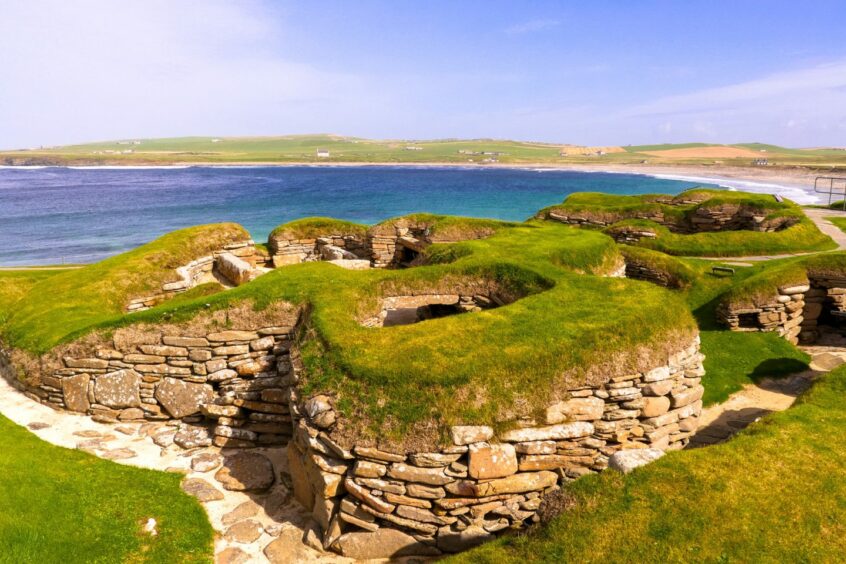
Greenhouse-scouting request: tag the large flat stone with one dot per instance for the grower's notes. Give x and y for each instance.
(552, 432)
(118, 389)
(627, 460)
(382, 543)
(75, 392)
(246, 472)
(492, 460)
(181, 398)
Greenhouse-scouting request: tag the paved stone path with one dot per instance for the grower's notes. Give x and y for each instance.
(265, 526)
(720, 422)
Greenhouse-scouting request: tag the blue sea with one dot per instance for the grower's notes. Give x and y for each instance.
(59, 215)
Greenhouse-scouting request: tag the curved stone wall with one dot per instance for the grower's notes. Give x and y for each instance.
(428, 503)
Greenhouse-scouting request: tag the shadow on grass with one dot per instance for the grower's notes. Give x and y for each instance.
(777, 368)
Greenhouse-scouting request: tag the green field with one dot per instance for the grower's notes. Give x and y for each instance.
(60, 505)
(303, 148)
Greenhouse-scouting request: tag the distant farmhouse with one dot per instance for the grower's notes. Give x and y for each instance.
(413, 148)
(323, 153)
(761, 162)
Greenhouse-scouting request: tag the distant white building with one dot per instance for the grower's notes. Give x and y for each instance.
(413, 148)
(215, 140)
(323, 154)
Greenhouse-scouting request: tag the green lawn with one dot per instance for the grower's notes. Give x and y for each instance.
(839, 221)
(774, 493)
(60, 505)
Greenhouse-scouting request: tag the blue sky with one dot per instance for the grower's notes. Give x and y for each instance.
(613, 72)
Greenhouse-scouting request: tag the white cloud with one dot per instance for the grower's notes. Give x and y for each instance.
(531, 26)
(96, 69)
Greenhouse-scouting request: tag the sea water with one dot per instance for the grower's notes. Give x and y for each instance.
(54, 215)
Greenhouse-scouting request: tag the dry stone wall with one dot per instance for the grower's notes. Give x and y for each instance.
(725, 217)
(373, 503)
(231, 262)
(287, 250)
(794, 313)
(240, 379)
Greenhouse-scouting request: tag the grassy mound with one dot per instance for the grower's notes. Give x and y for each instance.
(394, 381)
(640, 212)
(61, 505)
(752, 499)
(311, 227)
(69, 301)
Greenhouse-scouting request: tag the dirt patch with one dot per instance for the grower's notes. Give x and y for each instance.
(706, 153)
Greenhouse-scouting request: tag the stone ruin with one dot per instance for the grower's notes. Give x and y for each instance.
(801, 313)
(239, 388)
(233, 265)
(702, 219)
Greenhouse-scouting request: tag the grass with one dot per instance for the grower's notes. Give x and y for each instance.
(840, 222)
(60, 505)
(311, 227)
(64, 303)
(391, 380)
(303, 148)
(626, 212)
(774, 493)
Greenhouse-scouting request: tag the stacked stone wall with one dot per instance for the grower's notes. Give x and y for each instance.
(196, 272)
(375, 503)
(240, 379)
(794, 312)
(725, 217)
(286, 250)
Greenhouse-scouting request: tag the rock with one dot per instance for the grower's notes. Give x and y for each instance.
(516, 483)
(192, 437)
(537, 447)
(367, 469)
(492, 460)
(686, 397)
(165, 438)
(791, 290)
(201, 489)
(657, 374)
(382, 543)
(430, 476)
(331, 252)
(359, 264)
(300, 478)
(459, 541)
(75, 392)
(288, 548)
(824, 362)
(425, 492)
(553, 432)
(375, 454)
(244, 511)
(627, 460)
(231, 555)
(37, 426)
(433, 459)
(365, 496)
(576, 409)
(658, 388)
(236, 270)
(206, 462)
(119, 454)
(118, 389)
(654, 406)
(185, 341)
(131, 414)
(244, 532)
(231, 336)
(181, 398)
(246, 471)
(467, 434)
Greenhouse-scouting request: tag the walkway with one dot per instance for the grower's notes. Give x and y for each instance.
(264, 526)
(720, 422)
